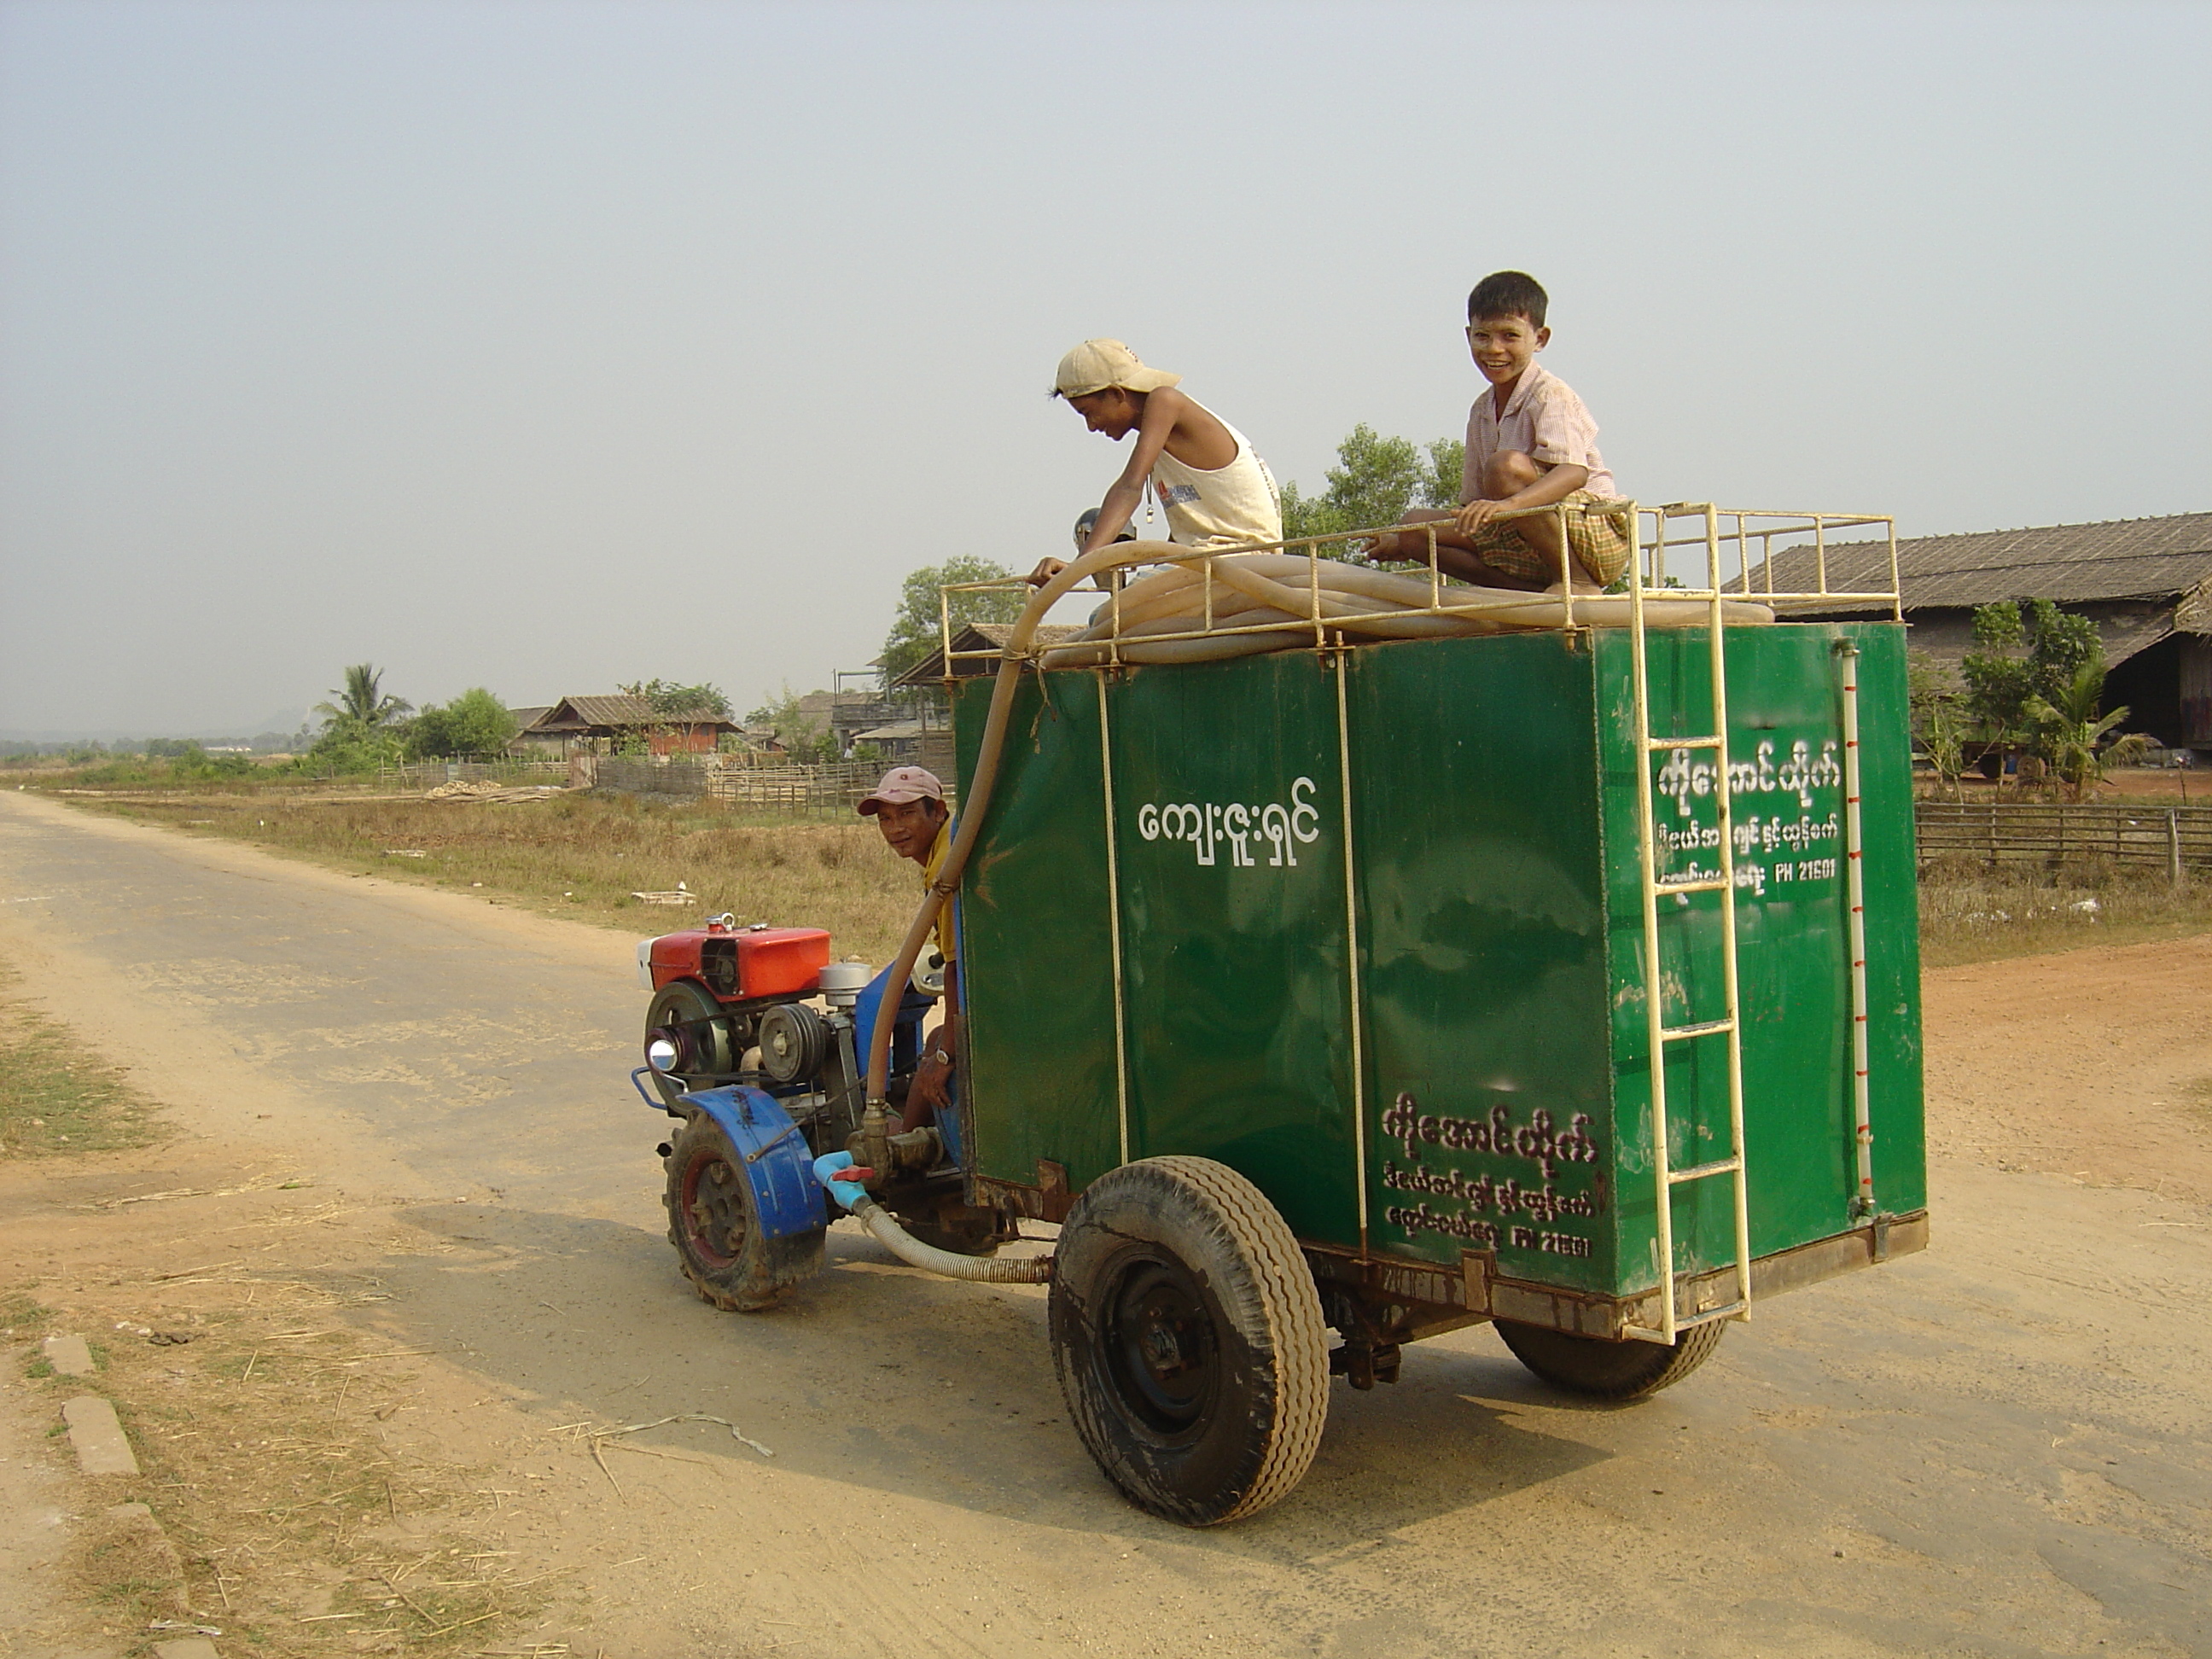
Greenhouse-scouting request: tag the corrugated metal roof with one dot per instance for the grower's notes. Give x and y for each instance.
(2072, 563)
(576, 714)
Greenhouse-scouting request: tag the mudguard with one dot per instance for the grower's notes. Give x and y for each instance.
(774, 1154)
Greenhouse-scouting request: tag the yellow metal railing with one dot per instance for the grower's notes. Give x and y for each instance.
(1741, 551)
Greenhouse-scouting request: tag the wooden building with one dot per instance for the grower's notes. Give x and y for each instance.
(2146, 583)
(602, 725)
(523, 743)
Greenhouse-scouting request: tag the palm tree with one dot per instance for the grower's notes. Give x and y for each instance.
(2066, 732)
(362, 702)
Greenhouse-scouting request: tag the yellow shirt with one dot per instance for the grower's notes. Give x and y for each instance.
(948, 925)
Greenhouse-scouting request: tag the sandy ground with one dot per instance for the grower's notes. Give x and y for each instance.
(1997, 1447)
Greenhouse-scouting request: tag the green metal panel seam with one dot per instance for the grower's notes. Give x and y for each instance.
(1114, 922)
(1359, 1000)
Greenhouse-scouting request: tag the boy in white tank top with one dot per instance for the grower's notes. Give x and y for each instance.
(1216, 491)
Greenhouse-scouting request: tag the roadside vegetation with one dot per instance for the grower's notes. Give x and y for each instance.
(297, 1522)
(2032, 702)
(581, 856)
(57, 1096)
(1971, 914)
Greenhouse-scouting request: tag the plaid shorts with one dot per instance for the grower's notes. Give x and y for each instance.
(1598, 541)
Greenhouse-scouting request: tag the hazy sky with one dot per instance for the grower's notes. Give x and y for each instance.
(545, 345)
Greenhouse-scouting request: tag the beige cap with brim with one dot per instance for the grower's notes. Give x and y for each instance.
(1097, 364)
(901, 785)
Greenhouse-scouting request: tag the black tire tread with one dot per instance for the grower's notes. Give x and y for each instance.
(1288, 1307)
(1296, 1333)
(1599, 1370)
(770, 1266)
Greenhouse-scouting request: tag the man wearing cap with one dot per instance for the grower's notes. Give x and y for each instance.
(908, 807)
(1215, 490)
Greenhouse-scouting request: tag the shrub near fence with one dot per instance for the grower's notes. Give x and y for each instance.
(2169, 839)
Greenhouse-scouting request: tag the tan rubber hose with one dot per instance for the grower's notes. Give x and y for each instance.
(976, 801)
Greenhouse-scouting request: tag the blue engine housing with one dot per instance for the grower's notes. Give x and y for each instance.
(774, 1154)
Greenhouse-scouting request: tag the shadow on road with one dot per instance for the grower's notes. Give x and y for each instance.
(881, 1377)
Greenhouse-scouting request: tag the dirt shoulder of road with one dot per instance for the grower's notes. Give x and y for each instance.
(2093, 1064)
(318, 1481)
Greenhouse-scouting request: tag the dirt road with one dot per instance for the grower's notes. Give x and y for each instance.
(1998, 1448)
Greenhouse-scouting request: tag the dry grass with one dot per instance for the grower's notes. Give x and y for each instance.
(57, 1096)
(581, 856)
(260, 1419)
(1969, 913)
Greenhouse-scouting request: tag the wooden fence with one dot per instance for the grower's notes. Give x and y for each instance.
(2172, 840)
(829, 791)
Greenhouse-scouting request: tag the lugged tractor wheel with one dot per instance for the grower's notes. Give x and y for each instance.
(714, 1226)
(1609, 1371)
(1188, 1338)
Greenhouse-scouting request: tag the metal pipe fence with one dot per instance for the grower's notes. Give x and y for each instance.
(2174, 839)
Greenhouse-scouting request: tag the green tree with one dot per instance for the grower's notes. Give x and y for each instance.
(703, 702)
(474, 723)
(1938, 716)
(804, 740)
(363, 726)
(1374, 480)
(2001, 681)
(2068, 735)
(915, 630)
(362, 699)
(348, 746)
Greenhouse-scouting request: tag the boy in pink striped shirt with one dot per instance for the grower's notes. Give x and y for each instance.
(1530, 442)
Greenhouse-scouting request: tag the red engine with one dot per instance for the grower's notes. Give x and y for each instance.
(738, 964)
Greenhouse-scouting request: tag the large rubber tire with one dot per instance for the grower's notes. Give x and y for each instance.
(682, 1002)
(714, 1226)
(1188, 1338)
(1609, 1371)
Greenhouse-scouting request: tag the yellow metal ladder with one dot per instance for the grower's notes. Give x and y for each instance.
(1726, 1028)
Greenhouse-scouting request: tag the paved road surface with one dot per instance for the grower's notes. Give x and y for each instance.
(1997, 1447)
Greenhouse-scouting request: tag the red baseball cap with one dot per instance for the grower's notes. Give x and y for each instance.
(901, 785)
